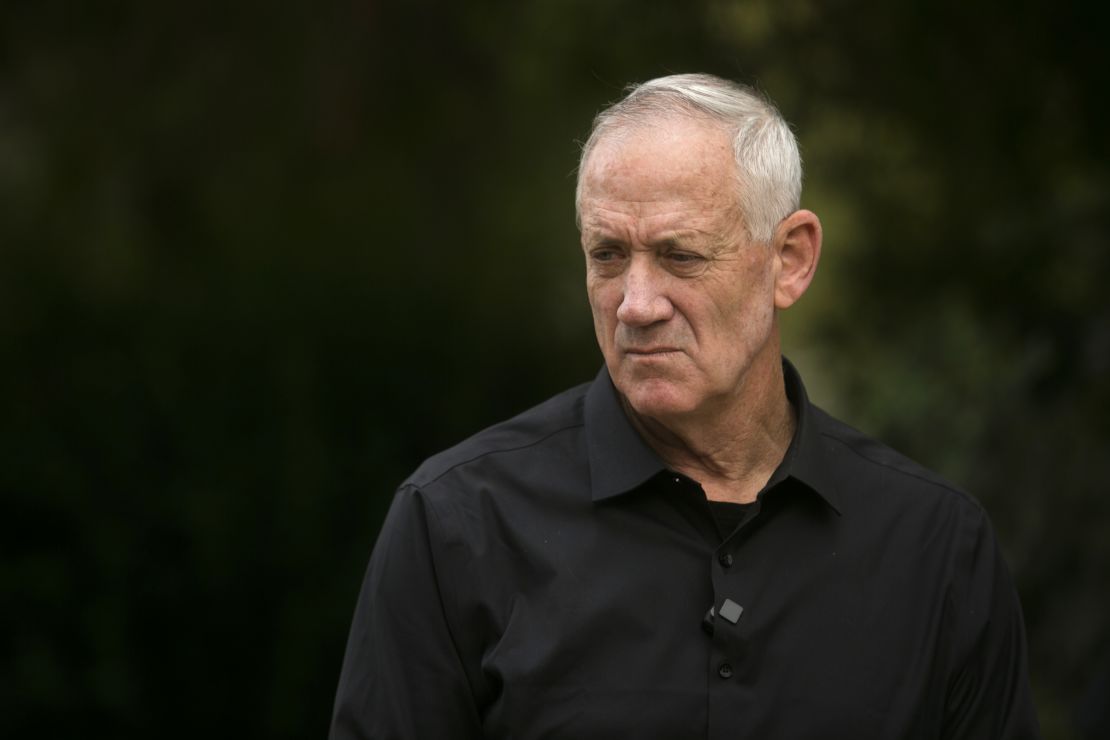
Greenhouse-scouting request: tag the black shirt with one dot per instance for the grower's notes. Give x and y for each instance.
(549, 578)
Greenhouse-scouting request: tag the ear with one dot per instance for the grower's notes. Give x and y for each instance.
(797, 251)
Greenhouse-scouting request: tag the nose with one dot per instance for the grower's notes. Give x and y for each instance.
(644, 301)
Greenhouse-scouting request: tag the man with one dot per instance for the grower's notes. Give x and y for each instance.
(685, 547)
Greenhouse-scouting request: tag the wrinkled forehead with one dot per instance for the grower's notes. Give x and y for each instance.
(658, 159)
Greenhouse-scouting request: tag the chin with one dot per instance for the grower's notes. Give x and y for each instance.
(658, 398)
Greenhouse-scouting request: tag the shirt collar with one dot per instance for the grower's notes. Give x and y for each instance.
(806, 459)
(619, 458)
(620, 461)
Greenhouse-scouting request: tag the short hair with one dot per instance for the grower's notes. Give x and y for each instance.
(768, 165)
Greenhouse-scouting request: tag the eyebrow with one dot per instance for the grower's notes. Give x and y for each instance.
(677, 238)
(669, 239)
(691, 238)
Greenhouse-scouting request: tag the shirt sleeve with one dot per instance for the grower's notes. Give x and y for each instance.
(988, 695)
(402, 676)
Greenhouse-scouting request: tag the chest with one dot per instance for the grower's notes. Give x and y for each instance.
(601, 633)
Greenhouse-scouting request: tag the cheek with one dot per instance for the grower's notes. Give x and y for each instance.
(603, 314)
(603, 300)
(755, 305)
(751, 317)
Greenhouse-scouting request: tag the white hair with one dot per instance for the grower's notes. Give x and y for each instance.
(768, 165)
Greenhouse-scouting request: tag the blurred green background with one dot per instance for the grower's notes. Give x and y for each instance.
(258, 259)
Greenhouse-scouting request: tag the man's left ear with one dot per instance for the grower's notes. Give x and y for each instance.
(797, 251)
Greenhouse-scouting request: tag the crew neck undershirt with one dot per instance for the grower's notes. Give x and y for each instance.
(727, 515)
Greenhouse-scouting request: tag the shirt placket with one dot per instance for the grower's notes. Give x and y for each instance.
(730, 690)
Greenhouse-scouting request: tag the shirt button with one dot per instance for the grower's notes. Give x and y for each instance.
(725, 559)
(724, 670)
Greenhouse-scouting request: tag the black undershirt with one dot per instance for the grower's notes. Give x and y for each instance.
(727, 515)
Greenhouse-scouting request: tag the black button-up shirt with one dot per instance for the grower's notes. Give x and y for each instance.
(551, 578)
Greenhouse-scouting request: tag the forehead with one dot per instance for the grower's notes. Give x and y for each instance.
(675, 158)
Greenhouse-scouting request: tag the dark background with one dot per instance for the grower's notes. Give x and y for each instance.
(259, 259)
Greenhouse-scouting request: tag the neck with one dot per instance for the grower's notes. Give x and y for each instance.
(733, 450)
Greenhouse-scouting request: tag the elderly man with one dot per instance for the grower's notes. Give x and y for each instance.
(685, 547)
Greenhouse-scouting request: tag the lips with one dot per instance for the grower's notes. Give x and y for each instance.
(650, 351)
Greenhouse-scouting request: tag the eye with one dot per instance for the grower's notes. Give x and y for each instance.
(683, 257)
(684, 263)
(606, 258)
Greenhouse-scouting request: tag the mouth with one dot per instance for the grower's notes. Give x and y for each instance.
(651, 352)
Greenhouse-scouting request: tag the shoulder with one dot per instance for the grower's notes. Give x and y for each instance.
(872, 469)
(527, 434)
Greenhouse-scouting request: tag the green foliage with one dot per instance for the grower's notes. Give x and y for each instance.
(256, 262)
